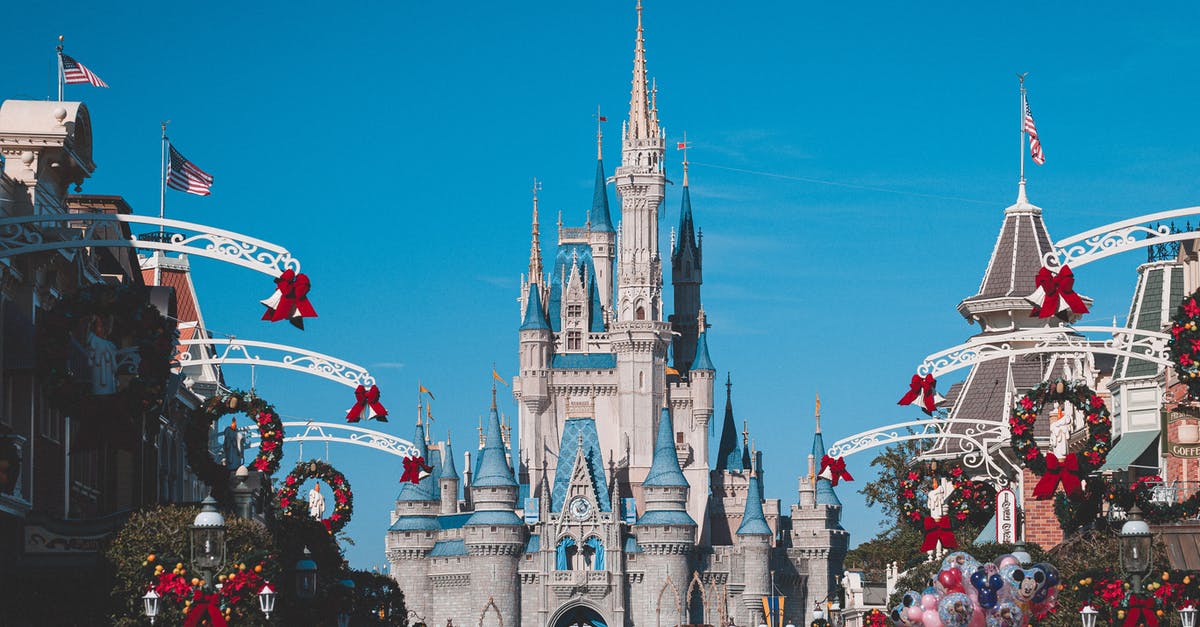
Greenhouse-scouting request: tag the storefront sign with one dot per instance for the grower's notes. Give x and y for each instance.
(1006, 517)
(41, 540)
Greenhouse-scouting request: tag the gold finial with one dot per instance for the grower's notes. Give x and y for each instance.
(818, 412)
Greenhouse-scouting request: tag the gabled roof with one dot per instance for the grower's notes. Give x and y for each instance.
(579, 436)
(664, 469)
(754, 523)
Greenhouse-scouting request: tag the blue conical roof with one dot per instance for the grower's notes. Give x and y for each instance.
(601, 219)
(535, 318)
(448, 467)
(824, 493)
(753, 521)
(664, 470)
(687, 229)
(596, 322)
(728, 456)
(493, 469)
(426, 490)
(702, 360)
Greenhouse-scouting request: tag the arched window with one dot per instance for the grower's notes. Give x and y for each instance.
(593, 554)
(565, 554)
(640, 314)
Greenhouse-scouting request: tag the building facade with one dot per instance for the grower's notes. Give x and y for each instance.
(608, 509)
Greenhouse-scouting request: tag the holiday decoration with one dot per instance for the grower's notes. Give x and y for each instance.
(1110, 594)
(415, 469)
(833, 469)
(992, 599)
(1072, 468)
(1185, 344)
(1055, 295)
(104, 352)
(953, 501)
(290, 300)
(236, 595)
(367, 405)
(199, 425)
(922, 390)
(343, 499)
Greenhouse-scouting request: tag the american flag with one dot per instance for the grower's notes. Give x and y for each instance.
(1035, 146)
(184, 176)
(74, 72)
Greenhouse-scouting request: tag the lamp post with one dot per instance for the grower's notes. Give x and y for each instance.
(1136, 543)
(306, 576)
(208, 540)
(242, 494)
(1088, 616)
(343, 618)
(150, 604)
(1187, 616)
(266, 600)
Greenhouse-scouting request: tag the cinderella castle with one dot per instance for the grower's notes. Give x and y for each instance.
(610, 512)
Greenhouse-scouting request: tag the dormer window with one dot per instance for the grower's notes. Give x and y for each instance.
(574, 340)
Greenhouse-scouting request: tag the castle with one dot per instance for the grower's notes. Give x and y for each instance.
(611, 512)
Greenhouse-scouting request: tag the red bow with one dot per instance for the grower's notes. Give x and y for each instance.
(923, 388)
(290, 300)
(1067, 472)
(1055, 287)
(364, 398)
(413, 467)
(1140, 608)
(206, 606)
(938, 530)
(836, 468)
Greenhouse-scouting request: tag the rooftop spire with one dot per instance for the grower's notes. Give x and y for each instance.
(818, 412)
(664, 469)
(728, 457)
(535, 244)
(683, 145)
(600, 119)
(640, 126)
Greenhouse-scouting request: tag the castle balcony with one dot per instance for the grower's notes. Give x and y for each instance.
(591, 583)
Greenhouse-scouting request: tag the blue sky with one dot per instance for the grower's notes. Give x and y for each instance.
(851, 163)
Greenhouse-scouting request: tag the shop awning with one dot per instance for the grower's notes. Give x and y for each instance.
(1128, 449)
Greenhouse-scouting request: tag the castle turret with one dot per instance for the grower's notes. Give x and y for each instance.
(819, 543)
(686, 277)
(448, 481)
(532, 387)
(754, 542)
(665, 531)
(414, 532)
(494, 535)
(602, 236)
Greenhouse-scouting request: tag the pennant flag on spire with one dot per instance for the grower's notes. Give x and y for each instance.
(1035, 145)
(184, 176)
(74, 72)
(496, 376)
(421, 389)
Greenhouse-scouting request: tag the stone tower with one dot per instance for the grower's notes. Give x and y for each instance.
(819, 543)
(411, 536)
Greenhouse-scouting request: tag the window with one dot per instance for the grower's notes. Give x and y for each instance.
(679, 437)
(50, 421)
(641, 314)
(574, 310)
(574, 340)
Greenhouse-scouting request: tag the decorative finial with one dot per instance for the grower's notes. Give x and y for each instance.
(683, 145)
(493, 395)
(480, 432)
(728, 386)
(818, 412)
(702, 320)
(60, 42)
(447, 437)
(419, 406)
(600, 119)
(745, 432)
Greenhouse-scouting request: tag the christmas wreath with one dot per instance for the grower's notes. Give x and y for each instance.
(1073, 467)
(1185, 344)
(969, 503)
(105, 350)
(290, 504)
(199, 425)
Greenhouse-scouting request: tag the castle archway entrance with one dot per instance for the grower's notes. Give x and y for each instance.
(578, 616)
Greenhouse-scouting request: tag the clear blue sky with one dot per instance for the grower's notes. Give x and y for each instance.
(391, 147)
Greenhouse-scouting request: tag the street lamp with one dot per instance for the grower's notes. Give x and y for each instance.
(1088, 616)
(208, 539)
(1187, 616)
(343, 618)
(1135, 541)
(150, 603)
(1022, 556)
(266, 600)
(306, 576)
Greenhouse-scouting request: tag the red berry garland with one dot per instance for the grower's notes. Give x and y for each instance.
(971, 502)
(270, 431)
(1096, 415)
(1185, 344)
(291, 504)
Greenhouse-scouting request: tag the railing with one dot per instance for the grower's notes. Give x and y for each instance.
(1163, 493)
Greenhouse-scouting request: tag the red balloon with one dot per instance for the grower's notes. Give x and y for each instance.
(951, 580)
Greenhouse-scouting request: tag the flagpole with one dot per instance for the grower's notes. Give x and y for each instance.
(162, 195)
(59, 71)
(1021, 146)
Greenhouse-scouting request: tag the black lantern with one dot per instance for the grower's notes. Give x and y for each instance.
(208, 538)
(1135, 547)
(306, 576)
(150, 603)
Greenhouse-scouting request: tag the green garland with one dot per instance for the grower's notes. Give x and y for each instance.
(1155, 511)
(62, 333)
(199, 425)
(290, 504)
(971, 503)
(1185, 343)
(1025, 413)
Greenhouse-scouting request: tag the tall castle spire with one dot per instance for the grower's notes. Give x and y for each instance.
(535, 244)
(640, 125)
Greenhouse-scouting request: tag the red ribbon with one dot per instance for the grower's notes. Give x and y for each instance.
(922, 388)
(938, 530)
(293, 302)
(412, 469)
(1066, 472)
(206, 606)
(364, 398)
(836, 468)
(1140, 608)
(1055, 287)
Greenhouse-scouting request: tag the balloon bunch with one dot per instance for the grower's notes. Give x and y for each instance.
(966, 593)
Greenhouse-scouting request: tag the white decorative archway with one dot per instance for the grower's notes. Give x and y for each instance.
(327, 432)
(30, 234)
(977, 441)
(1118, 237)
(255, 353)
